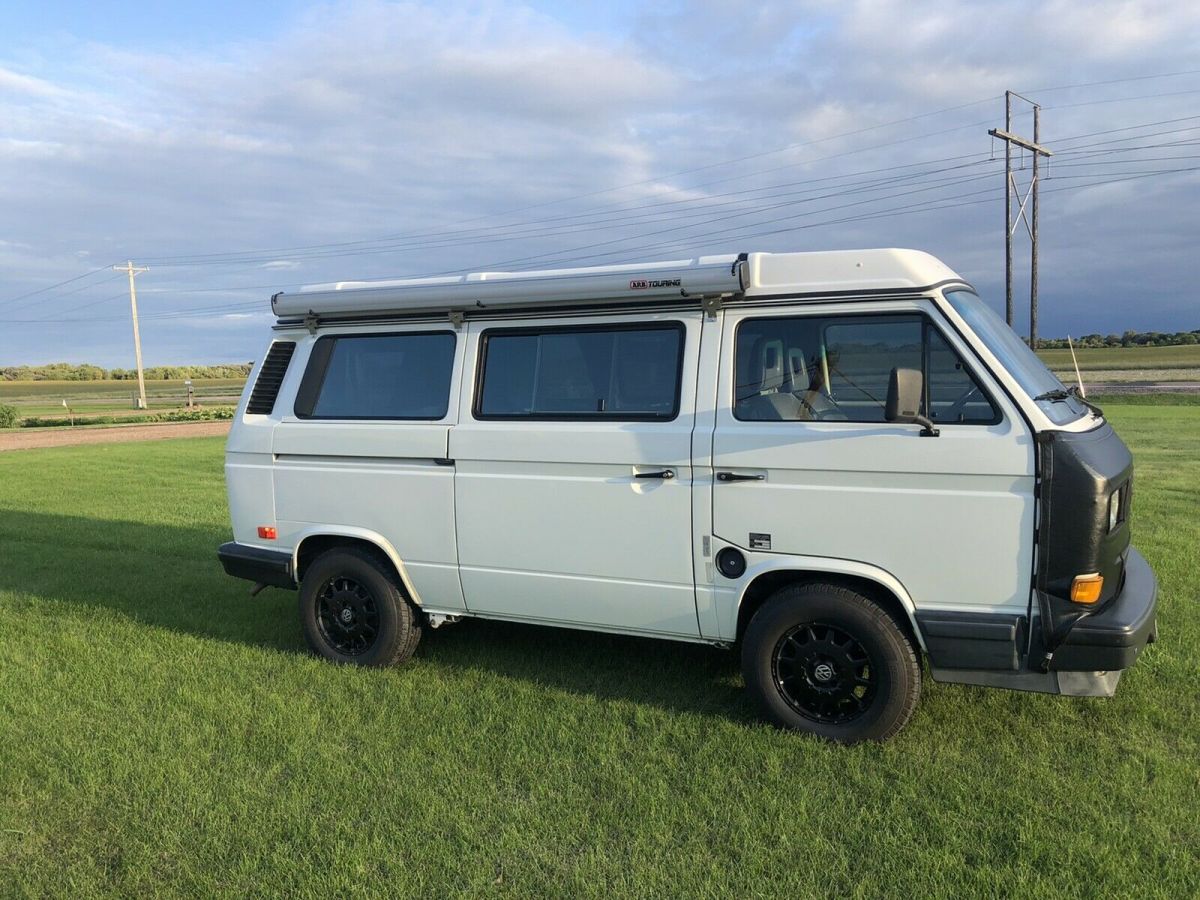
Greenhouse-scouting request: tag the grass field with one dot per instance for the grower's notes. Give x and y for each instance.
(44, 398)
(1100, 359)
(162, 733)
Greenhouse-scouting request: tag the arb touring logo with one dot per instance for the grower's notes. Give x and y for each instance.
(641, 284)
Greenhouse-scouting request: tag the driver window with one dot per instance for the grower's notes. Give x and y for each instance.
(953, 395)
(836, 368)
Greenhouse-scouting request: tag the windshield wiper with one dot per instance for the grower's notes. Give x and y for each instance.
(1071, 393)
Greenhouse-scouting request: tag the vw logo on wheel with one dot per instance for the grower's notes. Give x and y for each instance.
(823, 671)
(347, 614)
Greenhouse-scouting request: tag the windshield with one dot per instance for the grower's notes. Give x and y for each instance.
(1014, 354)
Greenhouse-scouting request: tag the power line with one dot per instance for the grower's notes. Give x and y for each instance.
(708, 205)
(53, 286)
(677, 174)
(711, 206)
(453, 238)
(1123, 99)
(402, 240)
(1131, 128)
(658, 178)
(575, 252)
(742, 232)
(680, 173)
(1067, 87)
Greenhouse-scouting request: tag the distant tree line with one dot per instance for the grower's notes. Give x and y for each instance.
(1128, 339)
(85, 372)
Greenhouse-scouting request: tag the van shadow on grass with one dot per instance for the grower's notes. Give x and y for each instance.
(168, 576)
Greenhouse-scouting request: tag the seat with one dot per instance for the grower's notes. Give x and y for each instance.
(763, 392)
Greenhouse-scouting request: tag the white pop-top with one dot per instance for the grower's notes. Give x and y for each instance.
(733, 276)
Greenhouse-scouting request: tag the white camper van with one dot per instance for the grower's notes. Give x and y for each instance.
(839, 463)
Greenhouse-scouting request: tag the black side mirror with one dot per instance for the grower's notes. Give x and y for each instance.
(904, 400)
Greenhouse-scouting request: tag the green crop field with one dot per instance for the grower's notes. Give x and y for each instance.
(83, 390)
(162, 733)
(44, 398)
(1098, 359)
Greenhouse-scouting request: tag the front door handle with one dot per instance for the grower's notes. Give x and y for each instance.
(737, 476)
(667, 474)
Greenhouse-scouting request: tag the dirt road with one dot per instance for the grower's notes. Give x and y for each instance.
(62, 437)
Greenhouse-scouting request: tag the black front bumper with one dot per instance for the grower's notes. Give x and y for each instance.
(1113, 638)
(988, 649)
(257, 564)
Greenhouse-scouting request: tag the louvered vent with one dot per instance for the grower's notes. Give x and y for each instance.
(270, 377)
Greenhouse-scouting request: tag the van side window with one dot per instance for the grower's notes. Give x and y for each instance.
(836, 368)
(613, 372)
(378, 376)
(953, 394)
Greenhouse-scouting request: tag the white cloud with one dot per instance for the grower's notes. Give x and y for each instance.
(15, 83)
(418, 121)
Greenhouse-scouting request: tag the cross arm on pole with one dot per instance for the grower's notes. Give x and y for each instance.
(1020, 141)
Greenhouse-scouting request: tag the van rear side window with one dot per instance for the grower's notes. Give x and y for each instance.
(618, 372)
(378, 376)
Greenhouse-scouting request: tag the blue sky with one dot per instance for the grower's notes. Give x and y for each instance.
(238, 149)
(143, 26)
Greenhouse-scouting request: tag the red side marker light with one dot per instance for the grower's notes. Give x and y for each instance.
(267, 532)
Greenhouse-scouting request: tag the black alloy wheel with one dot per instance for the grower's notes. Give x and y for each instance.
(830, 660)
(347, 616)
(353, 609)
(824, 673)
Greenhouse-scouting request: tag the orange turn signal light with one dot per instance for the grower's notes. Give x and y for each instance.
(1086, 588)
(268, 533)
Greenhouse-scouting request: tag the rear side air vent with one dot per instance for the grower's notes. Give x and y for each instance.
(270, 377)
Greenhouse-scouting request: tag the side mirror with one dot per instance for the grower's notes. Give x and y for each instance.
(904, 400)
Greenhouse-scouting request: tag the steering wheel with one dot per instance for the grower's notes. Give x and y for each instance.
(821, 406)
(956, 409)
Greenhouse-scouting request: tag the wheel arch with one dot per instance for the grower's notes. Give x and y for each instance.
(311, 543)
(885, 589)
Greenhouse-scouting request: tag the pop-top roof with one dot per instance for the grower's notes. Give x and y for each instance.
(733, 276)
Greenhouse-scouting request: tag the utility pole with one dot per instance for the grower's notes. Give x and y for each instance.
(1008, 301)
(1030, 199)
(1033, 234)
(132, 270)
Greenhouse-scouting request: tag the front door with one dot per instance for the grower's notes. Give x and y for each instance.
(805, 463)
(573, 472)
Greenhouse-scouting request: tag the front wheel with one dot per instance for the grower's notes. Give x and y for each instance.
(353, 611)
(828, 660)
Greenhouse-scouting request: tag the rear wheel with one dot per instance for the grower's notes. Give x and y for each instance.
(352, 610)
(828, 660)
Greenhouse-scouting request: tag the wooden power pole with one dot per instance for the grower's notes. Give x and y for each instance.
(133, 270)
(1030, 199)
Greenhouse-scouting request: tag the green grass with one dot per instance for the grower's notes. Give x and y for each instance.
(1099, 359)
(1177, 399)
(162, 733)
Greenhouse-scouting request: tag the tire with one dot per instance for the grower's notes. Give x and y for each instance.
(381, 627)
(827, 660)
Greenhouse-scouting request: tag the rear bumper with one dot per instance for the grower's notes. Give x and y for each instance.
(1113, 638)
(257, 564)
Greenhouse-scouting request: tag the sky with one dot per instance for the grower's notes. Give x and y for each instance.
(238, 149)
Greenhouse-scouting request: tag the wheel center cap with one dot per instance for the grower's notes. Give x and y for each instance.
(822, 671)
(346, 615)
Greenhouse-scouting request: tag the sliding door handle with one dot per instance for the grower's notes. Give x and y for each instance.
(666, 474)
(737, 476)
